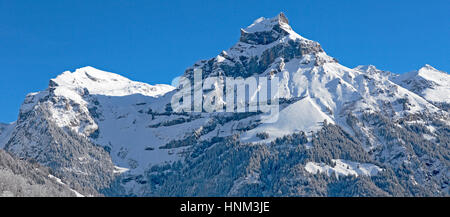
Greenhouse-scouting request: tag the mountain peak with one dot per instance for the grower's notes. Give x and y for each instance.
(432, 74)
(428, 82)
(100, 82)
(264, 46)
(266, 30)
(428, 72)
(427, 69)
(263, 24)
(85, 75)
(283, 18)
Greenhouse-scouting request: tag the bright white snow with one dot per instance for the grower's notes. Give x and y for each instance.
(343, 168)
(303, 115)
(99, 82)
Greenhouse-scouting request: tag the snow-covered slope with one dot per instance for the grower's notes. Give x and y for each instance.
(428, 82)
(307, 115)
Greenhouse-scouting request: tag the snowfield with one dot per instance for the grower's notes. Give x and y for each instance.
(5, 133)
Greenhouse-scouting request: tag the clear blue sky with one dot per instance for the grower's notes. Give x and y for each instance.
(154, 41)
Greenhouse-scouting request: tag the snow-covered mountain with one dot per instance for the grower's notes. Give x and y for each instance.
(379, 133)
(428, 82)
(58, 127)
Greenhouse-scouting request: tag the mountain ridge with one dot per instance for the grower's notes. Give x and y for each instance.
(123, 139)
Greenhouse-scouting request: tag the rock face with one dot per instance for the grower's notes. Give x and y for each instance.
(340, 132)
